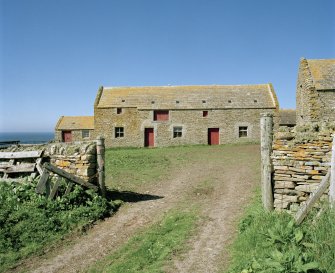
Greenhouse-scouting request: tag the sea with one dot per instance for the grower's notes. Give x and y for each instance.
(28, 137)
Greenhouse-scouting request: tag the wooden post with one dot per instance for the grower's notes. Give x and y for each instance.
(266, 149)
(332, 176)
(101, 164)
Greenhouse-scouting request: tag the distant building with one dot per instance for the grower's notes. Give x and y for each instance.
(156, 116)
(287, 117)
(315, 93)
(74, 128)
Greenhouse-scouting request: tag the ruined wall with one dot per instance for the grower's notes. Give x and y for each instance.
(78, 159)
(194, 126)
(300, 160)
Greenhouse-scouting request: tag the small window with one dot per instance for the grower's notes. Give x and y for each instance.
(177, 101)
(177, 132)
(85, 133)
(255, 101)
(204, 113)
(152, 102)
(119, 132)
(123, 100)
(243, 131)
(161, 115)
(203, 101)
(118, 111)
(229, 101)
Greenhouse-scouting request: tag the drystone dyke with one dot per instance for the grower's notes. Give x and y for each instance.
(78, 158)
(301, 158)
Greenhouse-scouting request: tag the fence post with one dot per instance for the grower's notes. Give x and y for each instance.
(266, 166)
(332, 176)
(101, 164)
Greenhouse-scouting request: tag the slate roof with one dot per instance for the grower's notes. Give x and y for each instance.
(287, 116)
(323, 73)
(189, 97)
(75, 123)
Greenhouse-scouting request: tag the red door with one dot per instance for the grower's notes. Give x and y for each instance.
(149, 139)
(67, 136)
(213, 136)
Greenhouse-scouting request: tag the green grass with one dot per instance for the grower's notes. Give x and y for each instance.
(149, 250)
(29, 221)
(132, 168)
(271, 242)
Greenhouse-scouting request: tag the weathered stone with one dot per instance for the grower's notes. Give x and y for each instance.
(306, 188)
(284, 185)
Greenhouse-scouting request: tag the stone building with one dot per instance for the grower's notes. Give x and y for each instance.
(77, 128)
(287, 117)
(158, 116)
(315, 93)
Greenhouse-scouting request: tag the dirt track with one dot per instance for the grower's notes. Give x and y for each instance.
(230, 175)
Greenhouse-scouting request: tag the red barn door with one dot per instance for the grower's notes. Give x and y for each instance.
(149, 138)
(67, 136)
(213, 136)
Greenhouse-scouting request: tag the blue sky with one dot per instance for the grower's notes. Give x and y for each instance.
(54, 54)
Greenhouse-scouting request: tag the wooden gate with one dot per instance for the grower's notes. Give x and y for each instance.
(149, 137)
(213, 136)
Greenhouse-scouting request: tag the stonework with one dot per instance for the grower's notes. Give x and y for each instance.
(315, 93)
(226, 108)
(300, 160)
(79, 159)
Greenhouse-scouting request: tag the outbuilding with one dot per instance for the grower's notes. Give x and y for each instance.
(74, 128)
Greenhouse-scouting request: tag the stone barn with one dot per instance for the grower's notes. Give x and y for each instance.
(315, 92)
(77, 128)
(157, 116)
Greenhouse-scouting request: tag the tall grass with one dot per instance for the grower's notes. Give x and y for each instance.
(271, 242)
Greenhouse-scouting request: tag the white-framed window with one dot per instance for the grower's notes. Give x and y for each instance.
(177, 131)
(243, 131)
(85, 133)
(119, 132)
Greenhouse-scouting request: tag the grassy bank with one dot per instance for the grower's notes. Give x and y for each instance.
(149, 250)
(271, 242)
(29, 222)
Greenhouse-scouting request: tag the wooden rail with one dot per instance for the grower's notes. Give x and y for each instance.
(44, 185)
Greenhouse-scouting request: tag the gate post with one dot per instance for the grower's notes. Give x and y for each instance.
(332, 176)
(266, 166)
(101, 164)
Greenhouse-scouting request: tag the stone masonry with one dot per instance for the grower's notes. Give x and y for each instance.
(228, 108)
(79, 159)
(300, 160)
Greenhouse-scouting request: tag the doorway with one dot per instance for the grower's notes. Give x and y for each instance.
(149, 138)
(66, 136)
(213, 136)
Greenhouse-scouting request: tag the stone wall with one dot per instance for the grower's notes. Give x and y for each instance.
(194, 125)
(301, 158)
(79, 159)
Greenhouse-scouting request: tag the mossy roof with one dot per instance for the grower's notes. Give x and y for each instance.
(323, 73)
(287, 116)
(75, 123)
(190, 97)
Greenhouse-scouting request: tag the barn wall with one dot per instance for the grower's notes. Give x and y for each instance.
(195, 126)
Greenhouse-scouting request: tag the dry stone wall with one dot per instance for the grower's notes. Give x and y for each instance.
(79, 159)
(301, 158)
